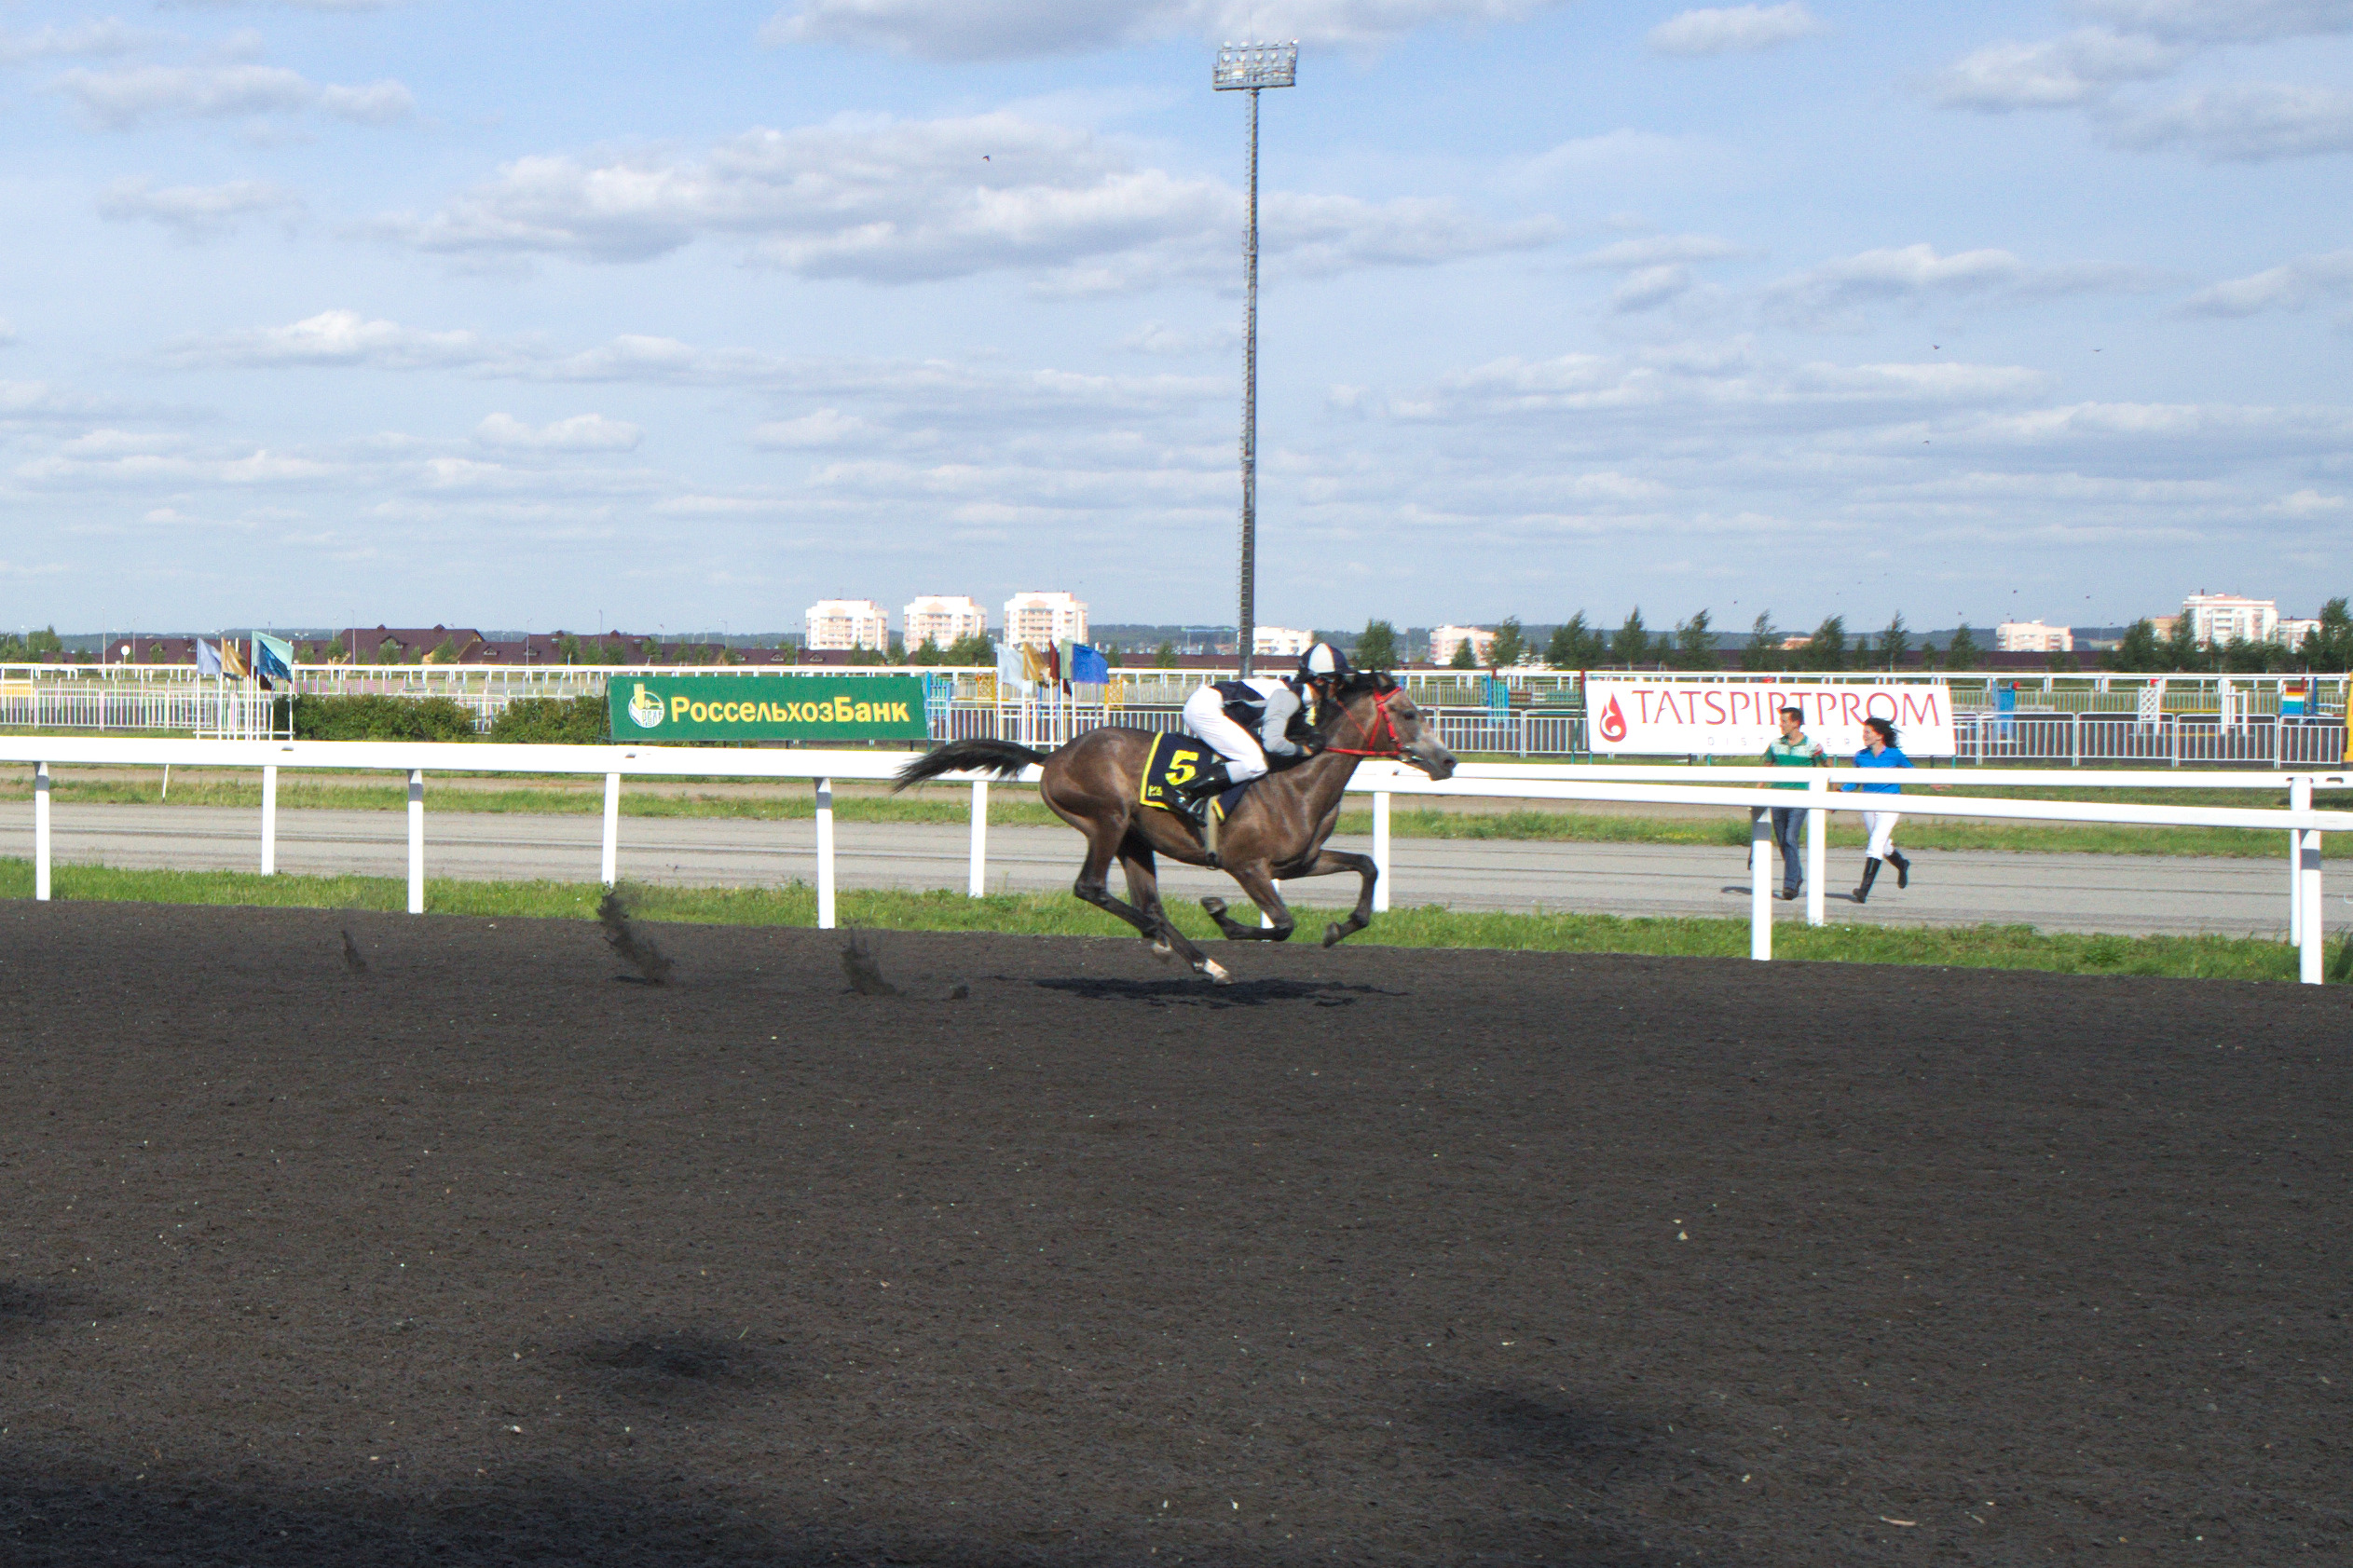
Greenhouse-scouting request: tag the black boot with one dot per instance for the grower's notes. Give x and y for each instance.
(1903, 868)
(1206, 784)
(1870, 875)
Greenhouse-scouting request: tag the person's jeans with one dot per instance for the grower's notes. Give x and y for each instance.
(1788, 822)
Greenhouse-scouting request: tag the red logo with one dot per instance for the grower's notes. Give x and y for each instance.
(1613, 723)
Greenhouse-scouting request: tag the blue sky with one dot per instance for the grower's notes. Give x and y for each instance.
(675, 317)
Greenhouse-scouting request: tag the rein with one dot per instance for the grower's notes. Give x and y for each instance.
(1372, 736)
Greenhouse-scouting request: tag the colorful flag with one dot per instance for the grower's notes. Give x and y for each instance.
(1013, 666)
(1089, 666)
(232, 663)
(208, 658)
(273, 655)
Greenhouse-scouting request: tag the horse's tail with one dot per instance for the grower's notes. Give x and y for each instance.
(1002, 757)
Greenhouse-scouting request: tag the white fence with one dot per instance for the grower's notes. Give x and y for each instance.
(1383, 780)
(2177, 722)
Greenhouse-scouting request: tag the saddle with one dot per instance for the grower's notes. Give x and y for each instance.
(1174, 762)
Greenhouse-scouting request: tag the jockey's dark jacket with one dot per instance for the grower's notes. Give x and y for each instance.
(1245, 704)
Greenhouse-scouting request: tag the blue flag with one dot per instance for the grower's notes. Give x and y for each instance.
(1088, 666)
(208, 658)
(273, 655)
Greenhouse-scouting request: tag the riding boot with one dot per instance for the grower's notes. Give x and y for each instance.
(1870, 875)
(1903, 868)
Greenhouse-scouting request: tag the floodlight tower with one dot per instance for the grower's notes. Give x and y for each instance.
(1247, 68)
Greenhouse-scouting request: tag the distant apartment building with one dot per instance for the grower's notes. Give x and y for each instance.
(1043, 619)
(845, 623)
(2226, 618)
(1446, 640)
(2032, 636)
(1280, 642)
(942, 620)
(2293, 630)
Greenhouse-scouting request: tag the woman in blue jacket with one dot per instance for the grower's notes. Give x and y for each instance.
(1880, 751)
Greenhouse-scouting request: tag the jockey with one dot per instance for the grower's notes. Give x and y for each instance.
(1248, 722)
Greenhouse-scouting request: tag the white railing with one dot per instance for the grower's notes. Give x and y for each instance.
(1383, 780)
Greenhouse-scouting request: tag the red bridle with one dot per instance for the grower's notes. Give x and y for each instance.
(1373, 736)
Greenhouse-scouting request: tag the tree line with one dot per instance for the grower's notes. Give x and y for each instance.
(1577, 644)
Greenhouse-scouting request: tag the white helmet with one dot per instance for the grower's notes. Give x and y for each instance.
(1323, 662)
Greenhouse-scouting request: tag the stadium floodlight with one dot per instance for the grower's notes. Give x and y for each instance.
(1247, 68)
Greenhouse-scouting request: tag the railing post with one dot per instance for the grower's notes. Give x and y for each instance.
(825, 855)
(1380, 850)
(2312, 967)
(978, 882)
(269, 820)
(2075, 741)
(608, 864)
(41, 831)
(1760, 893)
(2299, 800)
(1817, 846)
(416, 841)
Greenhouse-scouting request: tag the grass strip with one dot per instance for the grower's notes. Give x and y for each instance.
(1416, 823)
(1984, 947)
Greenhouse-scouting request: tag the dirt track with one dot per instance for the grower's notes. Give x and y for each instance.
(486, 1257)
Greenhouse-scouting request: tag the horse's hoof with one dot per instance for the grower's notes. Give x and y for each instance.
(1162, 951)
(1214, 905)
(1332, 934)
(1216, 972)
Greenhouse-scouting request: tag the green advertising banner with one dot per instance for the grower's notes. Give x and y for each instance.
(795, 707)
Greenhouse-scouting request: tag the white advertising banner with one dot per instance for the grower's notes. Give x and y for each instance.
(1654, 715)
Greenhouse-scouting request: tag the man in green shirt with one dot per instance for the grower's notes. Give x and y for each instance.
(1793, 749)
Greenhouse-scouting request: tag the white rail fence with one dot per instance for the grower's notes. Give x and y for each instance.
(1384, 781)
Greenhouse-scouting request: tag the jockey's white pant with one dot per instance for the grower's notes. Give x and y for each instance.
(1881, 825)
(1204, 720)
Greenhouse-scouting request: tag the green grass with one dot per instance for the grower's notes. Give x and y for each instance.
(1984, 947)
(1415, 823)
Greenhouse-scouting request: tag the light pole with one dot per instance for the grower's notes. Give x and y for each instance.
(1247, 68)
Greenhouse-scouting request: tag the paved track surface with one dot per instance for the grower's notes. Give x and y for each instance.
(2128, 894)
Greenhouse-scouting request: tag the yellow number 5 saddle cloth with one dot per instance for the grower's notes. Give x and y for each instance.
(1174, 762)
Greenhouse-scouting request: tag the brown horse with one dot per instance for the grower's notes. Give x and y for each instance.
(1277, 831)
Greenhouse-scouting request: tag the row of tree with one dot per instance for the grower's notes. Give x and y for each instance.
(2328, 647)
(1693, 645)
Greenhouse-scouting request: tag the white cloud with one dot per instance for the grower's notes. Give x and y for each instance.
(582, 432)
(1157, 337)
(2252, 122)
(195, 211)
(116, 469)
(1726, 378)
(2294, 285)
(1030, 29)
(96, 39)
(827, 427)
(331, 337)
(1831, 293)
(906, 201)
(1736, 28)
(123, 98)
(36, 401)
(1658, 250)
(1650, 287)
(2080, 68)
(2223, 22)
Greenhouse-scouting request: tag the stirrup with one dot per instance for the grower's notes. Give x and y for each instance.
(1209, 830)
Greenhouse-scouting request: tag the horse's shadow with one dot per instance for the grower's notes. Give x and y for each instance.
(1197, 993)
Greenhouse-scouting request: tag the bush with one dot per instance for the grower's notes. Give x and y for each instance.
(381, 718)
(552, 721)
